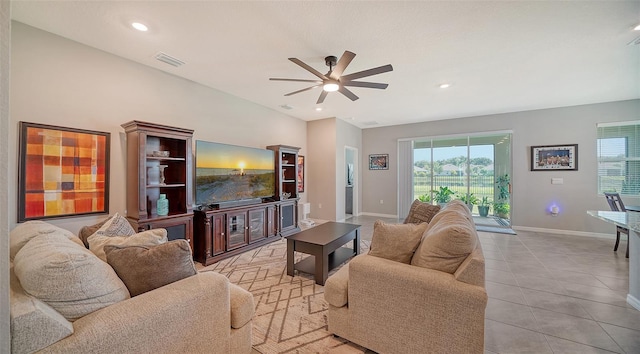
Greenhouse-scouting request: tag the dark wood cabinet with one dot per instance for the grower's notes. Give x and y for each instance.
(286, 166)
(223, 233)
(159, 162)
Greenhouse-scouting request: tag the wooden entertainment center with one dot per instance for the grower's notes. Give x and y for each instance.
(160, 162)
(226, 232)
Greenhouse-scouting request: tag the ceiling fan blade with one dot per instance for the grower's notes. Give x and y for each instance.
(342, 64)
(369, 72)
(323, 95)
(308, 68)
(296, 80)
(348, 93)
(374, 85)
(304, 89)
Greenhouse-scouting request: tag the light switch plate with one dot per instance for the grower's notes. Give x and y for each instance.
(557, 181)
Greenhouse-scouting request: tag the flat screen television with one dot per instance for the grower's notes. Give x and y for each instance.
(229, 173)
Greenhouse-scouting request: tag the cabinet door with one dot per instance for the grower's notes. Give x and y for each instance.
(218, 228)
(256, 224)
(288, 217)
(177, 228)
(272, 221)
(236, 230)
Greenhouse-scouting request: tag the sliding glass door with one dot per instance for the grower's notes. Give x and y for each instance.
(474, 168)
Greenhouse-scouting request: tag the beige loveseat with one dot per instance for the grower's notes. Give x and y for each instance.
(393, 307)
(203, 313)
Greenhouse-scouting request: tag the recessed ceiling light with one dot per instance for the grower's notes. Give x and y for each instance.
(139, 26)
(444, 86)
(318, 109)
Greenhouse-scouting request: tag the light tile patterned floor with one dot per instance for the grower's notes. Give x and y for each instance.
(553, 294)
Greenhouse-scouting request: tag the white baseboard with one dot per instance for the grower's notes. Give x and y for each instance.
(631, 300)
(564, 232)
(379, 215)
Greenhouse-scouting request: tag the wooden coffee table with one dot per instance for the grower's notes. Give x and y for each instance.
(324, 242)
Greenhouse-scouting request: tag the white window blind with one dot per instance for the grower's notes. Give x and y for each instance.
(619, 157)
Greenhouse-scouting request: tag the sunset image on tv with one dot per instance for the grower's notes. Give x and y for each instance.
(229, 172)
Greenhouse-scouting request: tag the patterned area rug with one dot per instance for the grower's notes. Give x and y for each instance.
(291, 313)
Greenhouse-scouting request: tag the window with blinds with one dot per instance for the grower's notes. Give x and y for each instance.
(619, 157)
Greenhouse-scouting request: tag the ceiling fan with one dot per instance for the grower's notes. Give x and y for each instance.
(334, 80)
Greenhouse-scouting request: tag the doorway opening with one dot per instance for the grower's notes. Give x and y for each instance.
(351, 174)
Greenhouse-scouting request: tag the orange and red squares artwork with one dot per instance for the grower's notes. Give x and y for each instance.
(63, 172)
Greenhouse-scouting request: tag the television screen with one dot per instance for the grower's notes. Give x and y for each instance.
(229, 173)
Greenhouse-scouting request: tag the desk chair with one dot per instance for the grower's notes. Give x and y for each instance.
(616, 204)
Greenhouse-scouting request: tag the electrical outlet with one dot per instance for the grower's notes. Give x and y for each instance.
(381, 201)
(320, 206)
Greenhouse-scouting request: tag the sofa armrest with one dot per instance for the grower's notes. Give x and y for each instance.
(400, 305)
(191, 315)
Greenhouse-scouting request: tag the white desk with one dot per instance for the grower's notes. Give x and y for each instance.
(631, 221)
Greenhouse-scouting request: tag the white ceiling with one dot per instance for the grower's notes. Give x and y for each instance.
(499, 56)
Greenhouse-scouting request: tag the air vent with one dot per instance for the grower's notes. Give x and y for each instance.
(166, 58)
(286, 106)
(634, 42)
(371, 122)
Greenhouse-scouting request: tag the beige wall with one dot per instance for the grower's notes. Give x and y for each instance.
(321, 172)
(5, 56)
(60, 82)
(532, 191)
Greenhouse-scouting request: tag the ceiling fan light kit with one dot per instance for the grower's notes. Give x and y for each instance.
(331, 86)
(334, 80)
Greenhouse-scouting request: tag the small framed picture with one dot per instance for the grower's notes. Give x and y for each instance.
(379, 161)
(300, 179)
(554, 157)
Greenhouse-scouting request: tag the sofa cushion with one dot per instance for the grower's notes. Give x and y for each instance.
(34, 324)
(67, 276)
(97, 242)
(449, 239)
(242, 308)
(336, 289)
(421, 212)
(144, 268)
(23, 233)
(396, 242)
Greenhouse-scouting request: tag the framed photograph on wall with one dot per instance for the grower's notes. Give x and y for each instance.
(554, 157)
(300, 174)
(62, 172)
(379, 161)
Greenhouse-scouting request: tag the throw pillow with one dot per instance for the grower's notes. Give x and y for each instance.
(23, 233)
(396, 242)
(447, 242)
(67, 276)
(144, 268)
(421, 212)
(87, 231)
(151, 237)
(118, 225)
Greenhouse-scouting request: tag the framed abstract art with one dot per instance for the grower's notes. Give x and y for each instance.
(62, 172)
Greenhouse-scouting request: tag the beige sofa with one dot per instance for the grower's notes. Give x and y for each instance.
(203, 313)
(393, 307)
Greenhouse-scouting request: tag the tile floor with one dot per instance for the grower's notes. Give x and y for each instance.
(553, 294)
